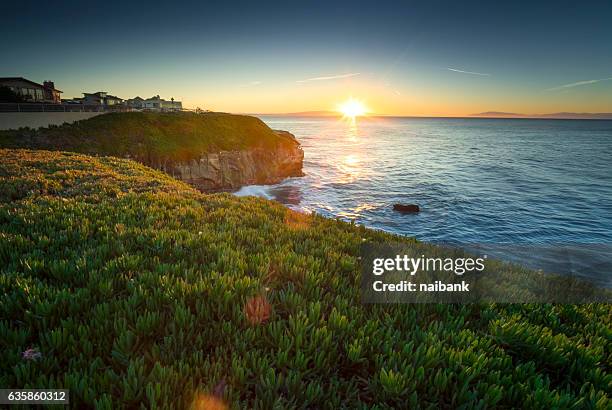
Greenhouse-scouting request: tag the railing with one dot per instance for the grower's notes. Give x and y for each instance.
(33, 107)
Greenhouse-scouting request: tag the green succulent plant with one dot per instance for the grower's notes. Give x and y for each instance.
(131, 289)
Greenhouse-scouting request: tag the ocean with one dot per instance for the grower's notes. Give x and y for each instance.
(534, 192)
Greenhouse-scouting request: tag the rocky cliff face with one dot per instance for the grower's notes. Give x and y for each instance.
(229, 170)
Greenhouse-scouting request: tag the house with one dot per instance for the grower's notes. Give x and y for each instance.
(101, 98)
(156, 103)
(136, 103)
(30, 91)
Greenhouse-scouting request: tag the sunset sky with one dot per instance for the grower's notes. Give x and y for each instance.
(404, 58)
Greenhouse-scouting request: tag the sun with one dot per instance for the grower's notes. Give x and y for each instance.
(352, 108)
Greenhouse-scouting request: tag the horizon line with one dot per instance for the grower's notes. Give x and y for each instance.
(546, 116)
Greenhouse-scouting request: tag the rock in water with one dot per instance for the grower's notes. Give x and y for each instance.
(406, 208)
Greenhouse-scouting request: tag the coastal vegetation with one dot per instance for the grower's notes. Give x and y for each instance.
(132, 289)
(151, 137)
(210, 151)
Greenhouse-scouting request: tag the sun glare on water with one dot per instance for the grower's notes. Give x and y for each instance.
(352, 108)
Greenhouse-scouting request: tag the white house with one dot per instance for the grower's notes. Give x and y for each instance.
(101, 98)
(156, 103)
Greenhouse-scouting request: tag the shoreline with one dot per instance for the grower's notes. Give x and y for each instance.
(505, 257)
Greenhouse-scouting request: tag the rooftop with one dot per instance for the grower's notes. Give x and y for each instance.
(27, 81)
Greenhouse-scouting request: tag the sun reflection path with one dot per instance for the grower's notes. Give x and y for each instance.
(352, 160)
(350, 165)
(353, 131)
(356, 212)
(350, 169)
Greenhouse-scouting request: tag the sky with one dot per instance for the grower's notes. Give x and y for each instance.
(445, 58)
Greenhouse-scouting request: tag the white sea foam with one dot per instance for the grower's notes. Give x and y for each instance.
(262, 191)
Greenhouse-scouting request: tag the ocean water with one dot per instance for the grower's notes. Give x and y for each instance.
(537, 192)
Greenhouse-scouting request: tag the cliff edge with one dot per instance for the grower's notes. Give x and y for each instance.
(229, 170)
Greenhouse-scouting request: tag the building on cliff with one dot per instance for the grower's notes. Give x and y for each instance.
(25, 90)
(136, 103)
(101, 98)
(155, 103)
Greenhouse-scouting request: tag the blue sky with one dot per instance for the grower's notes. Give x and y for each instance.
(418, 58)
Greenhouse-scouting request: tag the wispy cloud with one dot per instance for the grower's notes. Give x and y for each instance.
(467, 72)
(329, 77)
(578, 84)
(251, 84)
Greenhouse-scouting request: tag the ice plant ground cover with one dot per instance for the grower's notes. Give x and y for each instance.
(149, 136)
(134, 289)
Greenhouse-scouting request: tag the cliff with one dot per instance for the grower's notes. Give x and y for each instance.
(211, 151)
(229, 170)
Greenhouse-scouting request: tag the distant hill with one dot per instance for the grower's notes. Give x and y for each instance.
(557, 115)
(497, 114)
(582, 115)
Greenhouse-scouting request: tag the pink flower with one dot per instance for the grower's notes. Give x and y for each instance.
(31, 354)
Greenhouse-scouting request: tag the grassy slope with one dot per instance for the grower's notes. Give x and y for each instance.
(133, 286)
(149, 136)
